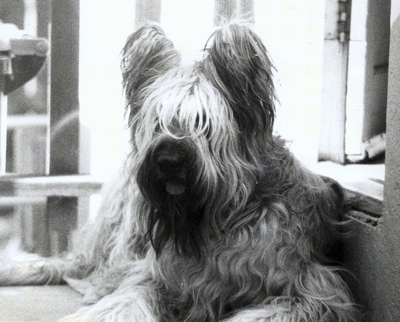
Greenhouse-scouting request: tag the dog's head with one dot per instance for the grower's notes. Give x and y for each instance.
(200, 132)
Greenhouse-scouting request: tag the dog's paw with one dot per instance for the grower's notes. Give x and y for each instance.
(74, 318)
(125, 310)
(30, 269)
(269, 313)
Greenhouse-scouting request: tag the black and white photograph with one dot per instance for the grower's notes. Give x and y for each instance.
(200, 160)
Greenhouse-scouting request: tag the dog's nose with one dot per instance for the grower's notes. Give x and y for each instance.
(170, 162)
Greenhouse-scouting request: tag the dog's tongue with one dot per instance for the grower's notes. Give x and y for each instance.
(175, 188)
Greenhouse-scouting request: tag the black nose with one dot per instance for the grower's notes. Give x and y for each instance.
(170, 162)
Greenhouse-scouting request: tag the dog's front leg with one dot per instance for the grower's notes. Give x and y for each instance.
(267, 313)
(31, 269)
(135, 299)
(134, 304)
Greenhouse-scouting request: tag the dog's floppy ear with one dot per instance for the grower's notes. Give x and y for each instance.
(239, 66)
(147, 54)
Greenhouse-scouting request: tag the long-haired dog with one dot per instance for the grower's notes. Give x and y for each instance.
(212, 218)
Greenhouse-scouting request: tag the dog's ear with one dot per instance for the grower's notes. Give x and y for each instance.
(147, 54)
(239, 66)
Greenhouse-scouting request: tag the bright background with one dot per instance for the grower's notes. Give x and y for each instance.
(292, 31)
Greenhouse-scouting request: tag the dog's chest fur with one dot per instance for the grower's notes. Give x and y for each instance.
(240, 268)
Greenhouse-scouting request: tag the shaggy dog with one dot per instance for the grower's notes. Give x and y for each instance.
(212, 218)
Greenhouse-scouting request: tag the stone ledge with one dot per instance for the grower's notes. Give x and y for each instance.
(365, 182)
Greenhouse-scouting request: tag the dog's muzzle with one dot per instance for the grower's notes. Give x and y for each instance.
(172, 161)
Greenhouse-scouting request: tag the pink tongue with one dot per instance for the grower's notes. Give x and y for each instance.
(174, 188)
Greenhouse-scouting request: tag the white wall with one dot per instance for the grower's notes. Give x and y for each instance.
(293, 33)
(104, 28)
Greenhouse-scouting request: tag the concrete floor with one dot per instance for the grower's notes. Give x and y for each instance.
(31, 303)
(37, 303)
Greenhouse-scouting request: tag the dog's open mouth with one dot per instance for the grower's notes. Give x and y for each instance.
(175, 188)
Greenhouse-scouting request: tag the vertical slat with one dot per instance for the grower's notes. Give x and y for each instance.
(3, 121)
(64, 85)
(332, 129)
(64, 77)
(226, 10)
(43, 18)
(148, 10)
(367, 81)
(33, 218)
(246, 10)
(4, 70)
